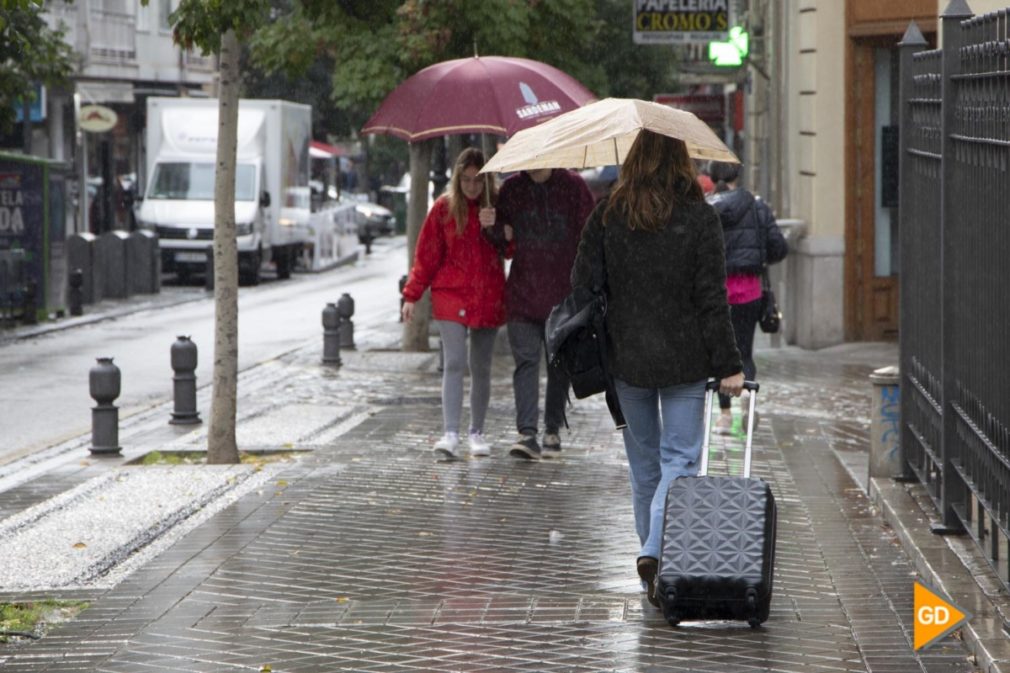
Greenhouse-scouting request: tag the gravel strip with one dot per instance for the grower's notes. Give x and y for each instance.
(74, 539)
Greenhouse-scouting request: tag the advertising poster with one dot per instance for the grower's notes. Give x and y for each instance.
(22, 230)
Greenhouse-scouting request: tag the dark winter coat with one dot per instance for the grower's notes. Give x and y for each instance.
(753, 239)
(667, 315)
(547, 219)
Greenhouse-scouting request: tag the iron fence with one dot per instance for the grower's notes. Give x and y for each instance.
(955, 247)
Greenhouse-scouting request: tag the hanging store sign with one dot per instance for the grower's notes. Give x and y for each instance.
(681, 21)
(97, 118)
(711, 109)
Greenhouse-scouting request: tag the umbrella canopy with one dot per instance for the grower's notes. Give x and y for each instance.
(481, 94)
(601, 133)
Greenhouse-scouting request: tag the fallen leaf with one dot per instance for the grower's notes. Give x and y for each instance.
(79, 545)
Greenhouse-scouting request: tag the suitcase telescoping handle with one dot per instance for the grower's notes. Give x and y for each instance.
(711, 388)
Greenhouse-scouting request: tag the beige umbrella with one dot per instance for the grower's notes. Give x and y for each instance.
(601, 133)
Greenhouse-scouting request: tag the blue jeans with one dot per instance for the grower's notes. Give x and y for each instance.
(663, 442)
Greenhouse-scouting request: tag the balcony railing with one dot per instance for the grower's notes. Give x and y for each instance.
(113, 34)
(195, 61)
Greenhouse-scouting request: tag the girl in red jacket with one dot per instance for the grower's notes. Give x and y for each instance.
(464, 270)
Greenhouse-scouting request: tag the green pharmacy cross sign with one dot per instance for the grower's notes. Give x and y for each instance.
(731, 53)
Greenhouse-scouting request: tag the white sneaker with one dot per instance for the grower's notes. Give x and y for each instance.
(446, 447)
(479, 445)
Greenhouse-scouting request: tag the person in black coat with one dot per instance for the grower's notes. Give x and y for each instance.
(753, 240)
(667, 320)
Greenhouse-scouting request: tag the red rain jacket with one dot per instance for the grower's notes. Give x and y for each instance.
(465, 272)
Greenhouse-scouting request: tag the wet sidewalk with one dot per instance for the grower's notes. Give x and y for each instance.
(366, 554)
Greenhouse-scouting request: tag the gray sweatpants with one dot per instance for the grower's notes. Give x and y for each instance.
(527, 342)
(455, 361)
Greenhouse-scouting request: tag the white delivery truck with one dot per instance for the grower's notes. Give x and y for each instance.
(272, 204)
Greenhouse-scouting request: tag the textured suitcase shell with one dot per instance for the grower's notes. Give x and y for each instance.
(718, 550)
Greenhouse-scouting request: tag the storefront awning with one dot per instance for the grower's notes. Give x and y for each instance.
(319, 150)
(105, 92)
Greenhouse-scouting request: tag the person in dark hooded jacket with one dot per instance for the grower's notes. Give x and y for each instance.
(753, 240)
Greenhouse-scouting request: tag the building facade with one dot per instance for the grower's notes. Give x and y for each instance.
(822, 132)
(126, 54)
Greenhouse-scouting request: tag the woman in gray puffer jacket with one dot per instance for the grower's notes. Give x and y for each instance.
(668, 326)
(753, 240)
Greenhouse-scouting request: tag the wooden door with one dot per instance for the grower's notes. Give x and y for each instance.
(871, 260)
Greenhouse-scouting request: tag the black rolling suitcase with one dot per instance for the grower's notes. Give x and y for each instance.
(718, 547)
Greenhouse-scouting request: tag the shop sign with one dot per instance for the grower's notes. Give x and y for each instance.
(97, 118)
(711, 109)
(681, 21)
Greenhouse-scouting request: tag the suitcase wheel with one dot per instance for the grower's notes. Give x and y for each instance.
(672, 615)
(752, 606)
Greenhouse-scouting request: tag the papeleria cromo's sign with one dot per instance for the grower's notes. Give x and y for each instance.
(681, 21)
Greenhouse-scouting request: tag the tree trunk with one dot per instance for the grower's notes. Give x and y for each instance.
(221, 446)
(415, 332)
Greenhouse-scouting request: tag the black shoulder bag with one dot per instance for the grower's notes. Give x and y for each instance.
(770, 318)
(576, 336)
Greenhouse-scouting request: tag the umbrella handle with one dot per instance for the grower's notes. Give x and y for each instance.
(487, 190)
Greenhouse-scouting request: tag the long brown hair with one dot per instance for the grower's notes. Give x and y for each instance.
(458, 207)
(656, 176)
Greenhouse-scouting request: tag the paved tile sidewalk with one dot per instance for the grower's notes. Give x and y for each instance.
(368, 555)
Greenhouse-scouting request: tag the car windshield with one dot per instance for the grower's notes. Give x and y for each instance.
(195, 182)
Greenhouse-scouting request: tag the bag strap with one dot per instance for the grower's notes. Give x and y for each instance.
(610, 394)
(761, 235)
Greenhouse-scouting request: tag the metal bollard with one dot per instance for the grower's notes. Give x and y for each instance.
(885, 428)
(403, 284)
(75, 297)
(208, 280)
(29, 313)
(104, 386)
(183, 356)
(331, 335)
(345, 309)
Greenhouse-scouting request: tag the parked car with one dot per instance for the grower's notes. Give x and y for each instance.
(600, 180)
(373, 220)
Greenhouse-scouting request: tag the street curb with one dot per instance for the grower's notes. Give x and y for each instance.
(90, 319)
(940, 566)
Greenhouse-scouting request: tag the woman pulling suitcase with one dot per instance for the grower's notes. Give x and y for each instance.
(668, 321)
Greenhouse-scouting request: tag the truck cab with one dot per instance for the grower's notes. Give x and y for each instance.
(271, 167)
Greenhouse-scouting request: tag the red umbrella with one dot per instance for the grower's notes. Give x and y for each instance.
(481, 94)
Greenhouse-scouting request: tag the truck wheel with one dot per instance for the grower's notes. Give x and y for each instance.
(251, 276)
(284, 260)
